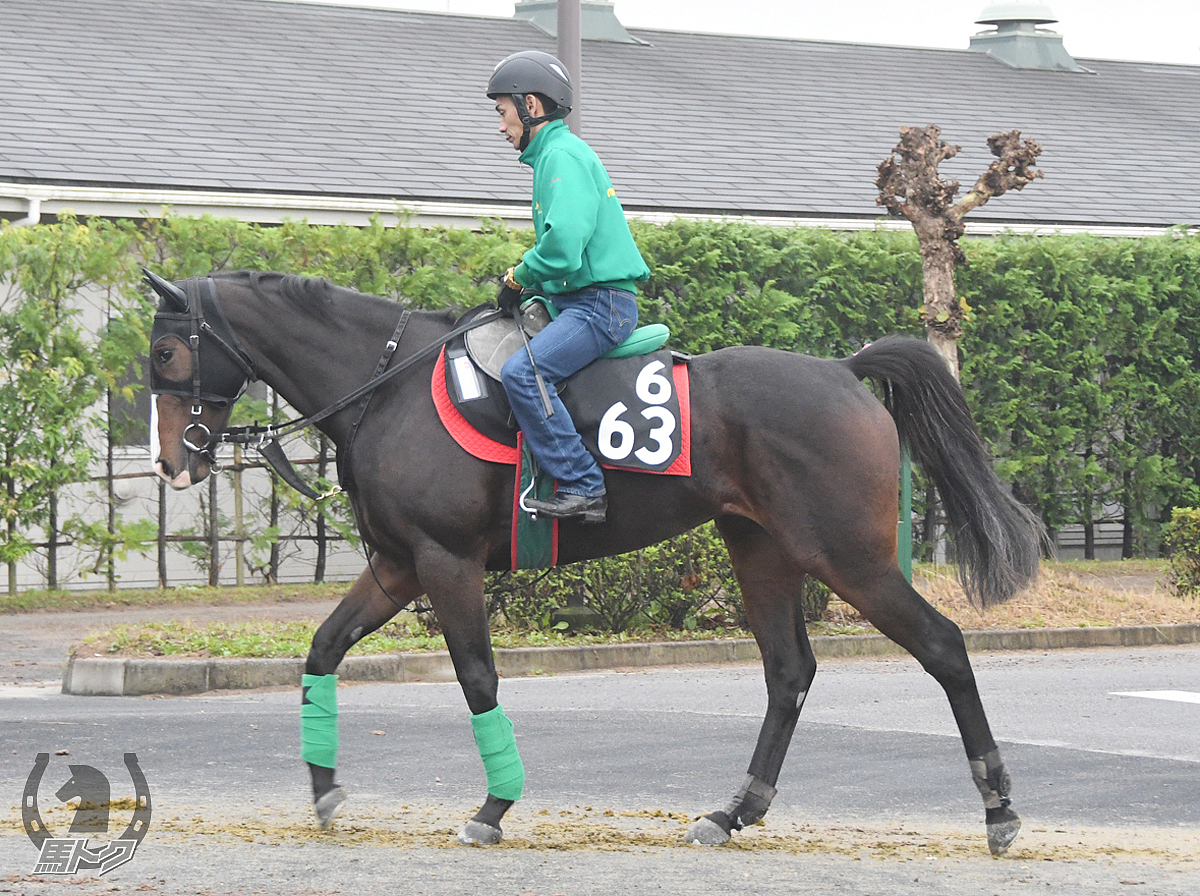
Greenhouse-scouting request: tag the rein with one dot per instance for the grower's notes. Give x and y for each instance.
(254, 434)
(265, 439)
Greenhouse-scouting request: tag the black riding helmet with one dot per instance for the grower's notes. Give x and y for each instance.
(532, 71)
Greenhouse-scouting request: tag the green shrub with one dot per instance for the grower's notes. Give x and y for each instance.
(814, 599)
(1182, 537)
(684, 583)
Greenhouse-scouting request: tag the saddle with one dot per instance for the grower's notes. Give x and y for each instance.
(630, 406)
(491, 344)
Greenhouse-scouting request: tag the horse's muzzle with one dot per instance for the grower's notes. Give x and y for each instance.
(177, 480)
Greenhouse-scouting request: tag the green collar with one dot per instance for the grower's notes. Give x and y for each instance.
(539, 141)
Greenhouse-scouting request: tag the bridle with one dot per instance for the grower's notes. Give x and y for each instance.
(265, 439)
(236, 370)
(229, 372)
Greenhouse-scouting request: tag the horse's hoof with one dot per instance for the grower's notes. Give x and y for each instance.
(476, 833)
(706, 832)
(328, 806)
(1001, 834)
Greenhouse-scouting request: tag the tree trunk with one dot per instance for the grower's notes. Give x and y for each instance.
(52, 543)
(943, 315)
(910, 186)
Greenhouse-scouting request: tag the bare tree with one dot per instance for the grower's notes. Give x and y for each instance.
(909, 186)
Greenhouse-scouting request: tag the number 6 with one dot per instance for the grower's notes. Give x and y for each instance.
(651, 386)
(611, 425)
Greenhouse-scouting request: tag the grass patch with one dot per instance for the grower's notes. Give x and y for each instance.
(270, 639)
(255, 638)
(1068, 594)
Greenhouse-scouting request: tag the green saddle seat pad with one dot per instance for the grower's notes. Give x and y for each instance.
(641, 341)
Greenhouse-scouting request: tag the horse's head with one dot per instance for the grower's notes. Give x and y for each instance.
(86, 783)
(197, 371)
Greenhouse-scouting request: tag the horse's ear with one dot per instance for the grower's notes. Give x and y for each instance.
(170, 293)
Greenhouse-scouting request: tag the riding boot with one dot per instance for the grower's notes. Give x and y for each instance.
(564, 506)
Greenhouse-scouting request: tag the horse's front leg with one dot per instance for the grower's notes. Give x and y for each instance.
(455, 589)
(365, 608)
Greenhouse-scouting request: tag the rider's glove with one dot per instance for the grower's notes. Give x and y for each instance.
(509, 298)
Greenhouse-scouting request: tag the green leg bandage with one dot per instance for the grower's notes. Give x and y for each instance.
(498, 750)
(318, 720)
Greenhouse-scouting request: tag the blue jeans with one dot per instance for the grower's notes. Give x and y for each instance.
(589, 323)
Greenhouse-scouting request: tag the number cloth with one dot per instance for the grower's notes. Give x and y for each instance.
(648, 397)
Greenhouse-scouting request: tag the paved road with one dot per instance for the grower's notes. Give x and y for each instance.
(875, 796)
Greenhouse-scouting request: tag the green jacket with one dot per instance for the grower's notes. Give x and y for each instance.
(582, 236)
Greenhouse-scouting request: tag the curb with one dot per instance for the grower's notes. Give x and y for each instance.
(100, 677)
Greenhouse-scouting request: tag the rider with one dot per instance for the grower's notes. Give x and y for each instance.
(584, 257)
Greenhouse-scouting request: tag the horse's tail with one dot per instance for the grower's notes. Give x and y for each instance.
(998, 541)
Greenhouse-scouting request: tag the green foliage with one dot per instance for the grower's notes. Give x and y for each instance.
(813, 291)
(1080, 362)
(684, 583)
(53, 368)
(1081, 367)
(1182, 537)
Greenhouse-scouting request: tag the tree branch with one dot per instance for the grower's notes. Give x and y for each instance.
(909, 186)
(1012, 170)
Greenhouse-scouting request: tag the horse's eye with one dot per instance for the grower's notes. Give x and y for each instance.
(164, 355)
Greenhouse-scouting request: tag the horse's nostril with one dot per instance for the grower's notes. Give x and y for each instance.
(167, 469)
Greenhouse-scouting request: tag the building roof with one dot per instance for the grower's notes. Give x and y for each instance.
(239, 97)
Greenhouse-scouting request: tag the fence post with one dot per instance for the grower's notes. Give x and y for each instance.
(214, 545)
(239, 520)
(904, 540)
(110, 560)
(322, 537)
(273, 569)
(10, 489)
(162, 534)
(52, 542)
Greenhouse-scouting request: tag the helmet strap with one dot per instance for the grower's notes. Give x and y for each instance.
(528, 122)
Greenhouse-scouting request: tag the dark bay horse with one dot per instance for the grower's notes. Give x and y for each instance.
(795, 459)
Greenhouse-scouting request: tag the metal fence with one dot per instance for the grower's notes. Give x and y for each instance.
(129, 529)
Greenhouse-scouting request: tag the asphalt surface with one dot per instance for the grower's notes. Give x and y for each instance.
(875, 797)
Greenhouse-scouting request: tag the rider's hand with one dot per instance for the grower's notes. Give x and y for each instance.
(509, 299)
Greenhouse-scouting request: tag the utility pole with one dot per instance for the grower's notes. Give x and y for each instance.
(570, 52)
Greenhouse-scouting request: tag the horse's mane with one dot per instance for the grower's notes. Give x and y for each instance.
(316, 295)
(319, 295)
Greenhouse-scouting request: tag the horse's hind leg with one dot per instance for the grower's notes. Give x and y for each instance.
(365, 608)
(771, 587)
(898, 611)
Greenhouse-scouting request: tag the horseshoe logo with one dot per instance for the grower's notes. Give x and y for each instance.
(36, 829)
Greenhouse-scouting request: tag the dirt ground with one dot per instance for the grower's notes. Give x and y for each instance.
(1067, 596)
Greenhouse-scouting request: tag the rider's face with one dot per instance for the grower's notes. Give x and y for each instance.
(510, 121)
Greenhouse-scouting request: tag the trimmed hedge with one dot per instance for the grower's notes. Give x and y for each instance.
(1079, 358)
